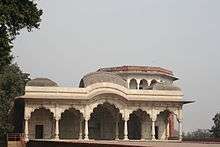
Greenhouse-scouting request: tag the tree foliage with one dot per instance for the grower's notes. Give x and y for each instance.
(198, 134)
(14, 16)
(215, 130)
(12, 83)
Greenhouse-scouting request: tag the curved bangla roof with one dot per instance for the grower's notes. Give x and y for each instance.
(42, 82)
(98, 77)
(145, 69)
(138, 69)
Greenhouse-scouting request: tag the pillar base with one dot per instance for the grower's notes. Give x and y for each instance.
(126, 138)
(153, 139)
(26, 139)
(86, 138)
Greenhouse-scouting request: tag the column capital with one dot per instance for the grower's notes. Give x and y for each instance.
(126, 115)
(87, 118)
(153, 115)
(126, 119)
(57, 118)
(26, 118)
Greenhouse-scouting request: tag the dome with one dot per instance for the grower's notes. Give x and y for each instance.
(165, 86)
(42, 82)
(99, 77)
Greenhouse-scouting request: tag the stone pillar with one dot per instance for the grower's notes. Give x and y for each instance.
(86, 129)
(57, 128)
(116, 130)
(80, 128)
(180, 130)
(128, 82)
(138, 83)
(153, 130)
(126, 129)
(143, 130)
(26, 129)
(167, 130)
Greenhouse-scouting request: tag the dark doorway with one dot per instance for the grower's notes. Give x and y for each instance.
(102, 123)
(39, 130)
(134, 127)
(156, 132)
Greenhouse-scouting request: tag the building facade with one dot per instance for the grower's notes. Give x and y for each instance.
(118, 103)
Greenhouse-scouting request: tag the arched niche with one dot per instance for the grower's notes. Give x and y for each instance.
(153, 82)
(133, 84)
(143, 84)
(41, 124)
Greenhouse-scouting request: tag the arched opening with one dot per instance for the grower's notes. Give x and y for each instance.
(105, 123)
(139, 125)
(143, 84)
(133, 84)
(41, 124)
(166, 126)
(81, 84)
(71, 124)
(153, 82)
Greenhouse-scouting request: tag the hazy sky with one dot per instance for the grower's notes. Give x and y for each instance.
(80, 36)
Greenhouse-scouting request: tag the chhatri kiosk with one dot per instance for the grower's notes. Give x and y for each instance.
(117, 103)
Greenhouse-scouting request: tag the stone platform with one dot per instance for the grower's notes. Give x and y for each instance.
(104, 143)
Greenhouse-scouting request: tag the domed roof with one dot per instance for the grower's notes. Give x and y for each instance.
(165, 86)
(42, 82)
(99, 77)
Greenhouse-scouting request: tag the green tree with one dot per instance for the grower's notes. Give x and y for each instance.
(12, 83)
(215, 130)
(14, 16)
(198, 134)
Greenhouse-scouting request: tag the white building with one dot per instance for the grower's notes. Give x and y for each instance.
(119, 103)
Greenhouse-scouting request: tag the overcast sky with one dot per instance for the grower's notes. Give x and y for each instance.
(80, 36)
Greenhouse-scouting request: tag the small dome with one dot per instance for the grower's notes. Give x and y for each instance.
(99, 77)
(42, 82)
(165, 86)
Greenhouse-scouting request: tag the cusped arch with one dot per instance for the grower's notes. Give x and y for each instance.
(69, 107)
(141, 110)
(38, 107)
(108, 104)
(117, 104)
(172, 111)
